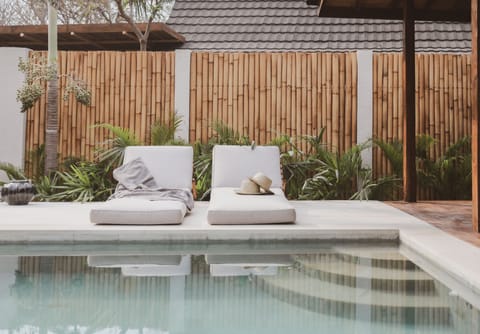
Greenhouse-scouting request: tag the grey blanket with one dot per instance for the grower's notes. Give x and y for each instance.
(135, 180)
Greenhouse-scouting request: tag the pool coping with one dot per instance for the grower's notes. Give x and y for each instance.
(358, 221)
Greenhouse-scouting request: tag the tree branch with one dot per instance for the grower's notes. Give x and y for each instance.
(129, 19)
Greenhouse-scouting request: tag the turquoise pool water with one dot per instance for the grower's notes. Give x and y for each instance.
(292, 288)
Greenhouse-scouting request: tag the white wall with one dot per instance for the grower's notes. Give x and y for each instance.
(12, 121)
(182, 91)
(365, 102)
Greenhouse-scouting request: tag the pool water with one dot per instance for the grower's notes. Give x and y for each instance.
(240, 289)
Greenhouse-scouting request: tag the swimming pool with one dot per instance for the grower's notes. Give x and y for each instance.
(220, 288)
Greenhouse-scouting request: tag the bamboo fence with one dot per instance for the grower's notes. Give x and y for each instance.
(129, 89)
(443, 102)
(265, 95)
(260, 95)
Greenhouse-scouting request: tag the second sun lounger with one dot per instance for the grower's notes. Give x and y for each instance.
(232, 164)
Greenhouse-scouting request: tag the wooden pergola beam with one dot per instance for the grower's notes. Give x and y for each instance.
(409, 167)
(475, 116)
(88, 36)
(391, 13)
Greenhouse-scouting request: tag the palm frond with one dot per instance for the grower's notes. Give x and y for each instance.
(393, 151)
(13, 172)
(113, 149)
(164, 133)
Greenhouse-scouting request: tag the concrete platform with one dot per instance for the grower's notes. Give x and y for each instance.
(369, 221)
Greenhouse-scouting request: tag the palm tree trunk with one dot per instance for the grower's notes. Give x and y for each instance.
(51, 130)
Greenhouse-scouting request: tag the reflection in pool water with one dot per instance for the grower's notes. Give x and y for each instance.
(333, 290)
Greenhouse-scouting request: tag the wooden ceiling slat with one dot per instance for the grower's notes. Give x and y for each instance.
(86, 40)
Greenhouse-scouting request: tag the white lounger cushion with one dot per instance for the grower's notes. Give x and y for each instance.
(227, 207)
(172, 168)
(232, 164)
(135, 211)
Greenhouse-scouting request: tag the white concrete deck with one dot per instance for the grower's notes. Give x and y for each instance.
(456, 260)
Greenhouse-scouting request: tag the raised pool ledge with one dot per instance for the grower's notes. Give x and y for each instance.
(322, 220)
(359, 221)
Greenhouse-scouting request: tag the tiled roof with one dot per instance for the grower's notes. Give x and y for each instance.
(293, 25)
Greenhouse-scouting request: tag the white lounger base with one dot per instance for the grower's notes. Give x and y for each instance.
(133, 211)
(227, 207)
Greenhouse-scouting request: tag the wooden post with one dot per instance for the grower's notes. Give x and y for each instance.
(475, 116)
(409, 170)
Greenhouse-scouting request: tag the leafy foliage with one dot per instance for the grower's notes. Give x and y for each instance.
(84, 182)
(113, 149)
(342, 176)
(297, 166)
(13, 173)
(164, 133)
(46, 187)
(448, 177)
(394, 154)
(224, 135)
(37, 71)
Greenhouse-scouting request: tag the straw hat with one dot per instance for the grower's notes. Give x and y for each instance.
(263, 181)
(248, 187)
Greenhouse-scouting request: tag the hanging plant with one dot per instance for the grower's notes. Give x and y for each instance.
(37, 71)
(79, 90)
(27, 95)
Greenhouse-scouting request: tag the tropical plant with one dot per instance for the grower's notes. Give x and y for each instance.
(46, 187)
(35, 162)
(112, 151)
(12, 172)
(393, 151)
(37, 70)
(86, 181)
(341, 176)
(51, 123)
(448, 177)
(164, 133)
(83, 182)
(297, 166)
(223, 135)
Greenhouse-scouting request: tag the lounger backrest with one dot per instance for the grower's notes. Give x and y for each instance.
(232, 164)
(171, 166)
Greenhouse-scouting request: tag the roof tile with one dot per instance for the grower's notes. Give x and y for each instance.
(253, 25)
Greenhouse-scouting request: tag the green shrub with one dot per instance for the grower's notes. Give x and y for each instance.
(448, 177)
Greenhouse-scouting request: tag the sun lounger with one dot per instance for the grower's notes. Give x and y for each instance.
(171, 168)
(231, 165)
